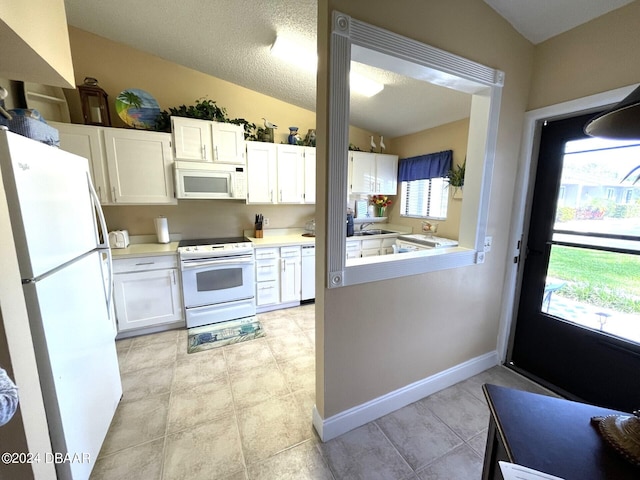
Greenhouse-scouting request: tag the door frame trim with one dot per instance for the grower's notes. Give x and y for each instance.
(525, 177)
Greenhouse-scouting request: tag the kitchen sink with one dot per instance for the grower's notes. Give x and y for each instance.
(365, 233)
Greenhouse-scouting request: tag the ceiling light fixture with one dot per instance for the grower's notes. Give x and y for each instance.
(293, 52)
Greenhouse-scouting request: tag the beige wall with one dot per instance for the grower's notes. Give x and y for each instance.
(595, 57)
(382, 336)
(451, 136)
(36, 50)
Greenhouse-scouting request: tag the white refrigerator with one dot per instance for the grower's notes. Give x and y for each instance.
(65, 265)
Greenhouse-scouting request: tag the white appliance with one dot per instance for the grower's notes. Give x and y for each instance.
(119, 239)
(200, 180)
(218, 279)
(64, 259)
(420, 241)
(308, 272)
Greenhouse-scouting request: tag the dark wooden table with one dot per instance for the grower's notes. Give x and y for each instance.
(551, 435)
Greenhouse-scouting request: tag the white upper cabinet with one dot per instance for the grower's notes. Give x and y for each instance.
(140, 166)
(207, 141)
(290, 174)
(280, 173)
(373, 173)
(228, 143)
(309, 175)
(262, 180)
(192, 139)
(87, 141)
(386, 174)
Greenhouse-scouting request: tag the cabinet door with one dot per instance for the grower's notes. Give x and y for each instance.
(147, 298)
(140, 166)
(228, 143)
(290, 174)
(267, 293)
(353, 249)
(290, 281)
(86, 141)
(192, 139)
(309, 175)
(261, 172)
(363, 172)
(386, 174)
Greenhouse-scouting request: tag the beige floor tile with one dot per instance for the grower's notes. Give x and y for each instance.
(461, 463)
(503, 376)
(300, 372)
(465, 414)
(143, 462)
(290, 347)
(306, 398)
(146, 382)
(258, 385)
(137, 422)
(202, 403)
(271, 427)
(302, 462)
(365, 454)
(306, 317)
(123, 346)
(210, 451)
(247, 356)
(418, 434)
(193, 369)
(274, 323)
(146, 356)
(479, 442)
(169, 336)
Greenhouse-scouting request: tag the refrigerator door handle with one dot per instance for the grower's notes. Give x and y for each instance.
(105, 241)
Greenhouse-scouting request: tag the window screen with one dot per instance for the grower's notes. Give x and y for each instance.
(427, 198)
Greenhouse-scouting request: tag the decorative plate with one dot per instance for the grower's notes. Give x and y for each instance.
(137, 108)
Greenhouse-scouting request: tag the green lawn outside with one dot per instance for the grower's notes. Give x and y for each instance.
(605, 279)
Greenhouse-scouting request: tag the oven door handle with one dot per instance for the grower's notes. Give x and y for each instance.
(217, 262)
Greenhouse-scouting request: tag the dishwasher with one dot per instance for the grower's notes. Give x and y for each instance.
(308, 272)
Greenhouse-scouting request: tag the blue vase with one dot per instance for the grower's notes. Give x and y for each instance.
(292, 139)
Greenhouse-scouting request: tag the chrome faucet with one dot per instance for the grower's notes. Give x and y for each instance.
(362, 225)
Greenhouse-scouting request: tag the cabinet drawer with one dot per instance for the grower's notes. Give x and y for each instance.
(369, 244)
(267, 293)
(388, 242)
(138, 264)
(266, 253)
(290, 252)
(266, 270)
(353, 246)
(370, 252)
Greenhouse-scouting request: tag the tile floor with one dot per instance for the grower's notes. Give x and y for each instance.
(244, 412)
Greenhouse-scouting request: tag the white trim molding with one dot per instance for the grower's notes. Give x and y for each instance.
(362, 414)
(353, 40)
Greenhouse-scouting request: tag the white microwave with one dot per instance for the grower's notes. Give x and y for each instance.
(200, 180)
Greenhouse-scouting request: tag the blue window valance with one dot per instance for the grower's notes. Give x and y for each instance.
(422, 167)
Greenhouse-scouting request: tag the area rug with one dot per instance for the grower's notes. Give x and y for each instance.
(223, 333)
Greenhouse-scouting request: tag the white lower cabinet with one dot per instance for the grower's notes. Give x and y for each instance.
(290, 279)
(147, 292)
(278, 277)
(267, 277)
(370, 247)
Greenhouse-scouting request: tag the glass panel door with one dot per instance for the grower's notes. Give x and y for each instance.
(578, 320)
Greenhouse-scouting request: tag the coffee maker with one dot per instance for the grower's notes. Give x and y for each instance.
(349, 223)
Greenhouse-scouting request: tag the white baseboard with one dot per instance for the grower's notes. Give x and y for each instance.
(362, 414)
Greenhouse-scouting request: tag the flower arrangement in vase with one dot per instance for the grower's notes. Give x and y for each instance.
(380, 202)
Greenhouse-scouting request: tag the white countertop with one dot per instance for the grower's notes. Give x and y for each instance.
(145, 250)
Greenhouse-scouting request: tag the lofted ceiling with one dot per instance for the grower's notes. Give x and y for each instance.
(231, 40)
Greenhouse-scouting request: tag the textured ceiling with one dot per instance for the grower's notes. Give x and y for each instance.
(231, 40)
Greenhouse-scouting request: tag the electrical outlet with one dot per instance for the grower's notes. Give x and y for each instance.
(265, 221)
(488, 241)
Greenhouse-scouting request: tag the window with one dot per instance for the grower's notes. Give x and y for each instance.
(425, 198)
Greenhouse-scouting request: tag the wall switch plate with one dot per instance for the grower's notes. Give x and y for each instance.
(265, 221)
(487, 243)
